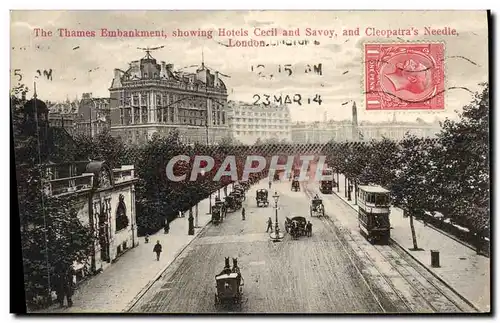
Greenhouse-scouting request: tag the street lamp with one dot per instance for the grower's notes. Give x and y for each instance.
(276, 235)
(209, 197)
(345, 180)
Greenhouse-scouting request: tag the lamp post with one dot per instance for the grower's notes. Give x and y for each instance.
(276, 235)
(190, 221)
(209, 197)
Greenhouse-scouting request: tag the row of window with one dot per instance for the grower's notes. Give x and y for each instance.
(140, 115)
(260, 127)
(257, 120)
(262, 114)
(261, 133)
(163, 100)
(381, 199)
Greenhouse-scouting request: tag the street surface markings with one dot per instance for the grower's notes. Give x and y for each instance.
(257, 263)
(167, 285)
(243, 238)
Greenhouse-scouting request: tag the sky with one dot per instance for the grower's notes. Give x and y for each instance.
(86, 64)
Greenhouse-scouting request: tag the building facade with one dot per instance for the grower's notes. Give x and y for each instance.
(151, 98)
(93, 115)
(63, 115)
(88, 116)
(249, 122)
(105, 202)
(320, 132)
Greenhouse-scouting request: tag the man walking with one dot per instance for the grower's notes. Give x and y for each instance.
(309, 228)
(243, 213)
(269, 225)
(157, 250)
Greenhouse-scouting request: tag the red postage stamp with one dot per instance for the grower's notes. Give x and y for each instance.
(404, 76)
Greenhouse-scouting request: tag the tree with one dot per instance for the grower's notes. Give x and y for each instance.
(381, 162)
(51, 234)
(413, 190)
(464, 165)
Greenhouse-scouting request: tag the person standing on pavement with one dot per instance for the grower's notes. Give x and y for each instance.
(64, 284)
(157, 250)
(243, 213)
(269, 225)
(167, 226)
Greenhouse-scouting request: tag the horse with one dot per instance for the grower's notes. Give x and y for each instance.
(235, 269)
(227, 267)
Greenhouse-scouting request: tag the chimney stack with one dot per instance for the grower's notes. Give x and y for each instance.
(216, 79)
(163, 71)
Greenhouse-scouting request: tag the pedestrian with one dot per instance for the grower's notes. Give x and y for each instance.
(243, 213)
(146, 238)
(309, 228)
(64, 284)
(157, 250)
(167, 226)
(269, 184)
(269, 225)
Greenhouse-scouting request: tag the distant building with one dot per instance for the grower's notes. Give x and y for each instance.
(397, 130)
(151, 98)
(322, 132)
(93, 115)
(250, 122)
(89, 116)
(63, 115)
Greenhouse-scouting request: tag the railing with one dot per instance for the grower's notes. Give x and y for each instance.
(123, 174)
(69, 184)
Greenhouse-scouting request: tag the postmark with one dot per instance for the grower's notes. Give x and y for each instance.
(404, 76)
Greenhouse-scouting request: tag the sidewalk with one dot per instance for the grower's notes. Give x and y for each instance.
(461, 268)
(117, 286)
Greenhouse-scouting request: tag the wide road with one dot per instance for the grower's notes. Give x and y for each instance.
(329, 272)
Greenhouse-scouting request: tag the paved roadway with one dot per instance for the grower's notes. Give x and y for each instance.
(334, 271)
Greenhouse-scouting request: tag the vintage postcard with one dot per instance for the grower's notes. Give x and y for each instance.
(252, 161)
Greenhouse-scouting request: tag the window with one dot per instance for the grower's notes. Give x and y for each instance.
(381, 200)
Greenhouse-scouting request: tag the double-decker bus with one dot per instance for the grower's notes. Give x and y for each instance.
(373, 214)
(326, 184)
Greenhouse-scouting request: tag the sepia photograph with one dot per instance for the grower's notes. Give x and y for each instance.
(251, 162)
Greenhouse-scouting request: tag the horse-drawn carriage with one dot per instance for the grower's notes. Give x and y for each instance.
(317, 208)
(228, 285)
(295, 184)
(262, 198)
(233, 202)
(241, 191)
(218, 211)
(217, 214)
(296, 226)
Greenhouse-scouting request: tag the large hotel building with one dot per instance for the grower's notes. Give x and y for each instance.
(151, 98)
(250, 122)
